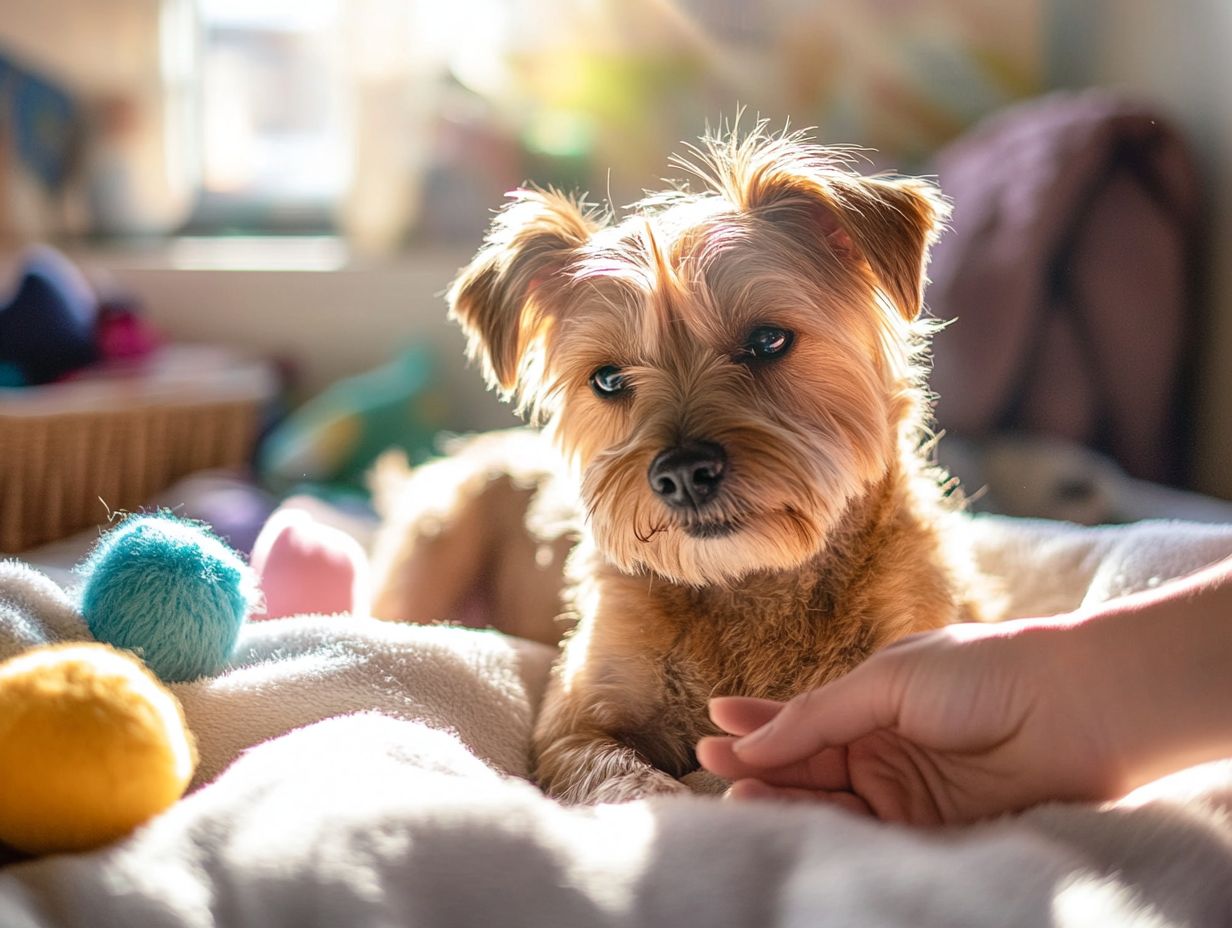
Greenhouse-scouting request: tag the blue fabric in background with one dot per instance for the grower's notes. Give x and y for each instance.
(41, 120)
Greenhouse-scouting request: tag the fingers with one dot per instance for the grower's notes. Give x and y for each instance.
(739, 715)
(756, 789)
(826, 770)
(716, 755)
(836, 714)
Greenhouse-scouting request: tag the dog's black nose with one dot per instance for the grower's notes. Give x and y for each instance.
(688, 476)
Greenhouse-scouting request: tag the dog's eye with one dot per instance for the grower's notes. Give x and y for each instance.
(765, 343)
(608, 381)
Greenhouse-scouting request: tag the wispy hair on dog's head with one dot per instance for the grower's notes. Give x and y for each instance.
(889, 222)
(544, 245)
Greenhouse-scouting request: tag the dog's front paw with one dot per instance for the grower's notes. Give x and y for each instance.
(705, 783)
(639, 784)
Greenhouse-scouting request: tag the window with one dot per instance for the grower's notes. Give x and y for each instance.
(270, 115)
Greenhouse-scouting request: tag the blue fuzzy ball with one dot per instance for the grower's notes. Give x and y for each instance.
(170, 591)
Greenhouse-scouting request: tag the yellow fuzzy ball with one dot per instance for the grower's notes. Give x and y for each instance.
(91, 746)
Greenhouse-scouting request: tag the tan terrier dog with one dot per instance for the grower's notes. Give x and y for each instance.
(734, 380)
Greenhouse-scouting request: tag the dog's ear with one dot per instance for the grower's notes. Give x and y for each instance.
(892, 223)
(888, 223)
(502, 298)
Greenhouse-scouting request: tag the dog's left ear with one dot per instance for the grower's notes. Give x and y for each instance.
(889, 223)
(503, 298)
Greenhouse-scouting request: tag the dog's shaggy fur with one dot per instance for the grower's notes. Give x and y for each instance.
(771, 320)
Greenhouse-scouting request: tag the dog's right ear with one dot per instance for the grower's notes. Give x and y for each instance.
(503, 299)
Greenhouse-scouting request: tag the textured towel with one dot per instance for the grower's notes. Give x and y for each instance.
(398, 807)
(287, 673)
(34, 611)
(371, 821)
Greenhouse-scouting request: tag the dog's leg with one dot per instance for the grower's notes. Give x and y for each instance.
(606, 734)
(592, 767)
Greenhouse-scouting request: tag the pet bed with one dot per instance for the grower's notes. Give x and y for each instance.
(360, 773)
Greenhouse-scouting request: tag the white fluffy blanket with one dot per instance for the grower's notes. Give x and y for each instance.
(377, 783)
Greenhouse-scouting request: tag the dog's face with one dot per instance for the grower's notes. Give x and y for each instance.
(726, 370)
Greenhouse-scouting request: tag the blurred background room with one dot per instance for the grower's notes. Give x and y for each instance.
(226, 225)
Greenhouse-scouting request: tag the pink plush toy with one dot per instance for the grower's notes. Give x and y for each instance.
(306, 566)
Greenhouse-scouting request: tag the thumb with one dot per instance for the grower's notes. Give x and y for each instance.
(838, 713)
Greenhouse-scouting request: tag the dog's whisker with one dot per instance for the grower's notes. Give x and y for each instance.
(655, 529)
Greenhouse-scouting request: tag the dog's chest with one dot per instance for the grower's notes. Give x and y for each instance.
(754, 642)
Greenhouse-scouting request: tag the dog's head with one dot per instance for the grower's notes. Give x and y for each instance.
(728, 369)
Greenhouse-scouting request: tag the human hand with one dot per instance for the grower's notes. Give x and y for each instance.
(950, 726)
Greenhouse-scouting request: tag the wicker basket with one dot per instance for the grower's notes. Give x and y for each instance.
(72, 453)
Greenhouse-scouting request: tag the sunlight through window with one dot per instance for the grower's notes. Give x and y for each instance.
(271, 110)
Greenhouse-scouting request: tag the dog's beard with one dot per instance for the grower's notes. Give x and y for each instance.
(783, 497)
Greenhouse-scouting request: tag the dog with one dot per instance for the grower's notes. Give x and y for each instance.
(733, 380)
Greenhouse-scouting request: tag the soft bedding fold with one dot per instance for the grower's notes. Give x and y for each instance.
(378, 784)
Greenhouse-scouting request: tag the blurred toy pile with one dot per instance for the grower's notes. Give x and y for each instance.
(98, 411)
(53, 323)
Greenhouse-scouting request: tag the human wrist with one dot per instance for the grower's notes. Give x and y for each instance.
(1077, 693)
(1152, 674)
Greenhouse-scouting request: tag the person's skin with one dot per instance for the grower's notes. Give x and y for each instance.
(975, 720)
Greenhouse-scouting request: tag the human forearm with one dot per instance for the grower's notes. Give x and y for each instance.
(1156, 667)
